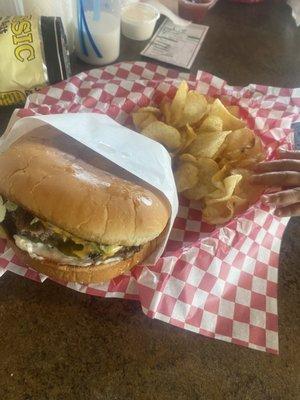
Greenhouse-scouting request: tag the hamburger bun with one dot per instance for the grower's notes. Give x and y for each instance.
(55, 179)
(55, 185)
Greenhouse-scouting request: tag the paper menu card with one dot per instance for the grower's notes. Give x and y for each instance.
(176, 45)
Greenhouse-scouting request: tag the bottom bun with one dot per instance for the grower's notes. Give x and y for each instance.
(90, 274)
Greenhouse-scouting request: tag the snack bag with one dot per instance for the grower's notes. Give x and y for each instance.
(33, 54)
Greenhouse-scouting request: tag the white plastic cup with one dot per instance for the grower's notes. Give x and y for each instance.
(11, 7)
(98, 31)
(138, 21)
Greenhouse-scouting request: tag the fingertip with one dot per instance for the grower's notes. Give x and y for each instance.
(283, 212)
(288, 154)
(281, 152)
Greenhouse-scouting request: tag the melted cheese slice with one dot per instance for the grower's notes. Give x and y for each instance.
(41, 251)
(88, 247)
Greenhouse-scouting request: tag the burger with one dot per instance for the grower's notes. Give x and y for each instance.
(71, 219)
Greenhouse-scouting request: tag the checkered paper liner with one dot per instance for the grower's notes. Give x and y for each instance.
(220, 282)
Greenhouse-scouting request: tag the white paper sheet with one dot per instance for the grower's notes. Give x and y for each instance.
(295, 6)
(141, 156)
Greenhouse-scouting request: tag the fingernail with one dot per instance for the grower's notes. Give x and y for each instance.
(281, 151)
(280, 213)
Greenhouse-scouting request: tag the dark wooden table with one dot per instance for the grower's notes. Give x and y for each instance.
(59, 344)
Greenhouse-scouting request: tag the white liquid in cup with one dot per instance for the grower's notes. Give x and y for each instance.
(106, 35)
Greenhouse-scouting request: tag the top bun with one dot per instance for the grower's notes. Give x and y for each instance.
(54, 179)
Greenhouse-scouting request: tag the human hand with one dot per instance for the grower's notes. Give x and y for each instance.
(283, 172)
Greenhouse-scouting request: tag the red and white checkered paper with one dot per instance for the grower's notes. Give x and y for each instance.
(220, 282)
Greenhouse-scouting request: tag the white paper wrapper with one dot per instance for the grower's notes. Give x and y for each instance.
(142, 157)
(295, 6)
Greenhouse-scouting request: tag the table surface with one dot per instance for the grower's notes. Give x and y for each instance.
(57, 344)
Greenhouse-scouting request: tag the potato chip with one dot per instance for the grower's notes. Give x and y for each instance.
(144, 116)
(239, 205)
(248, 163)
(234, 110)
(219, 195)
(218, 214)
(219, 205)
(218, 178)
(194, 108)
(151, 118)
(209, 99)
(256, 151)
(211, 148)
(207, 168)
(188, 135)
(230, 122)
(212, 123)
(165, 108)
(138, 118)
(150, 109)
(237, 142)
(245, 190)
(222, 161)
(245, 193)
(142, 119)
(178, 103)
(164, 134)
(188, 158)
(242, 148)
(186, 176)
(207, 144)
(198, 124)
(241, 162)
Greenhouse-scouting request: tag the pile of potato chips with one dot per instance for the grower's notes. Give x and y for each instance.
(213, 151)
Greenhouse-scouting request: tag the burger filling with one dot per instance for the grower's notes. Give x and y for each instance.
(42, 240)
